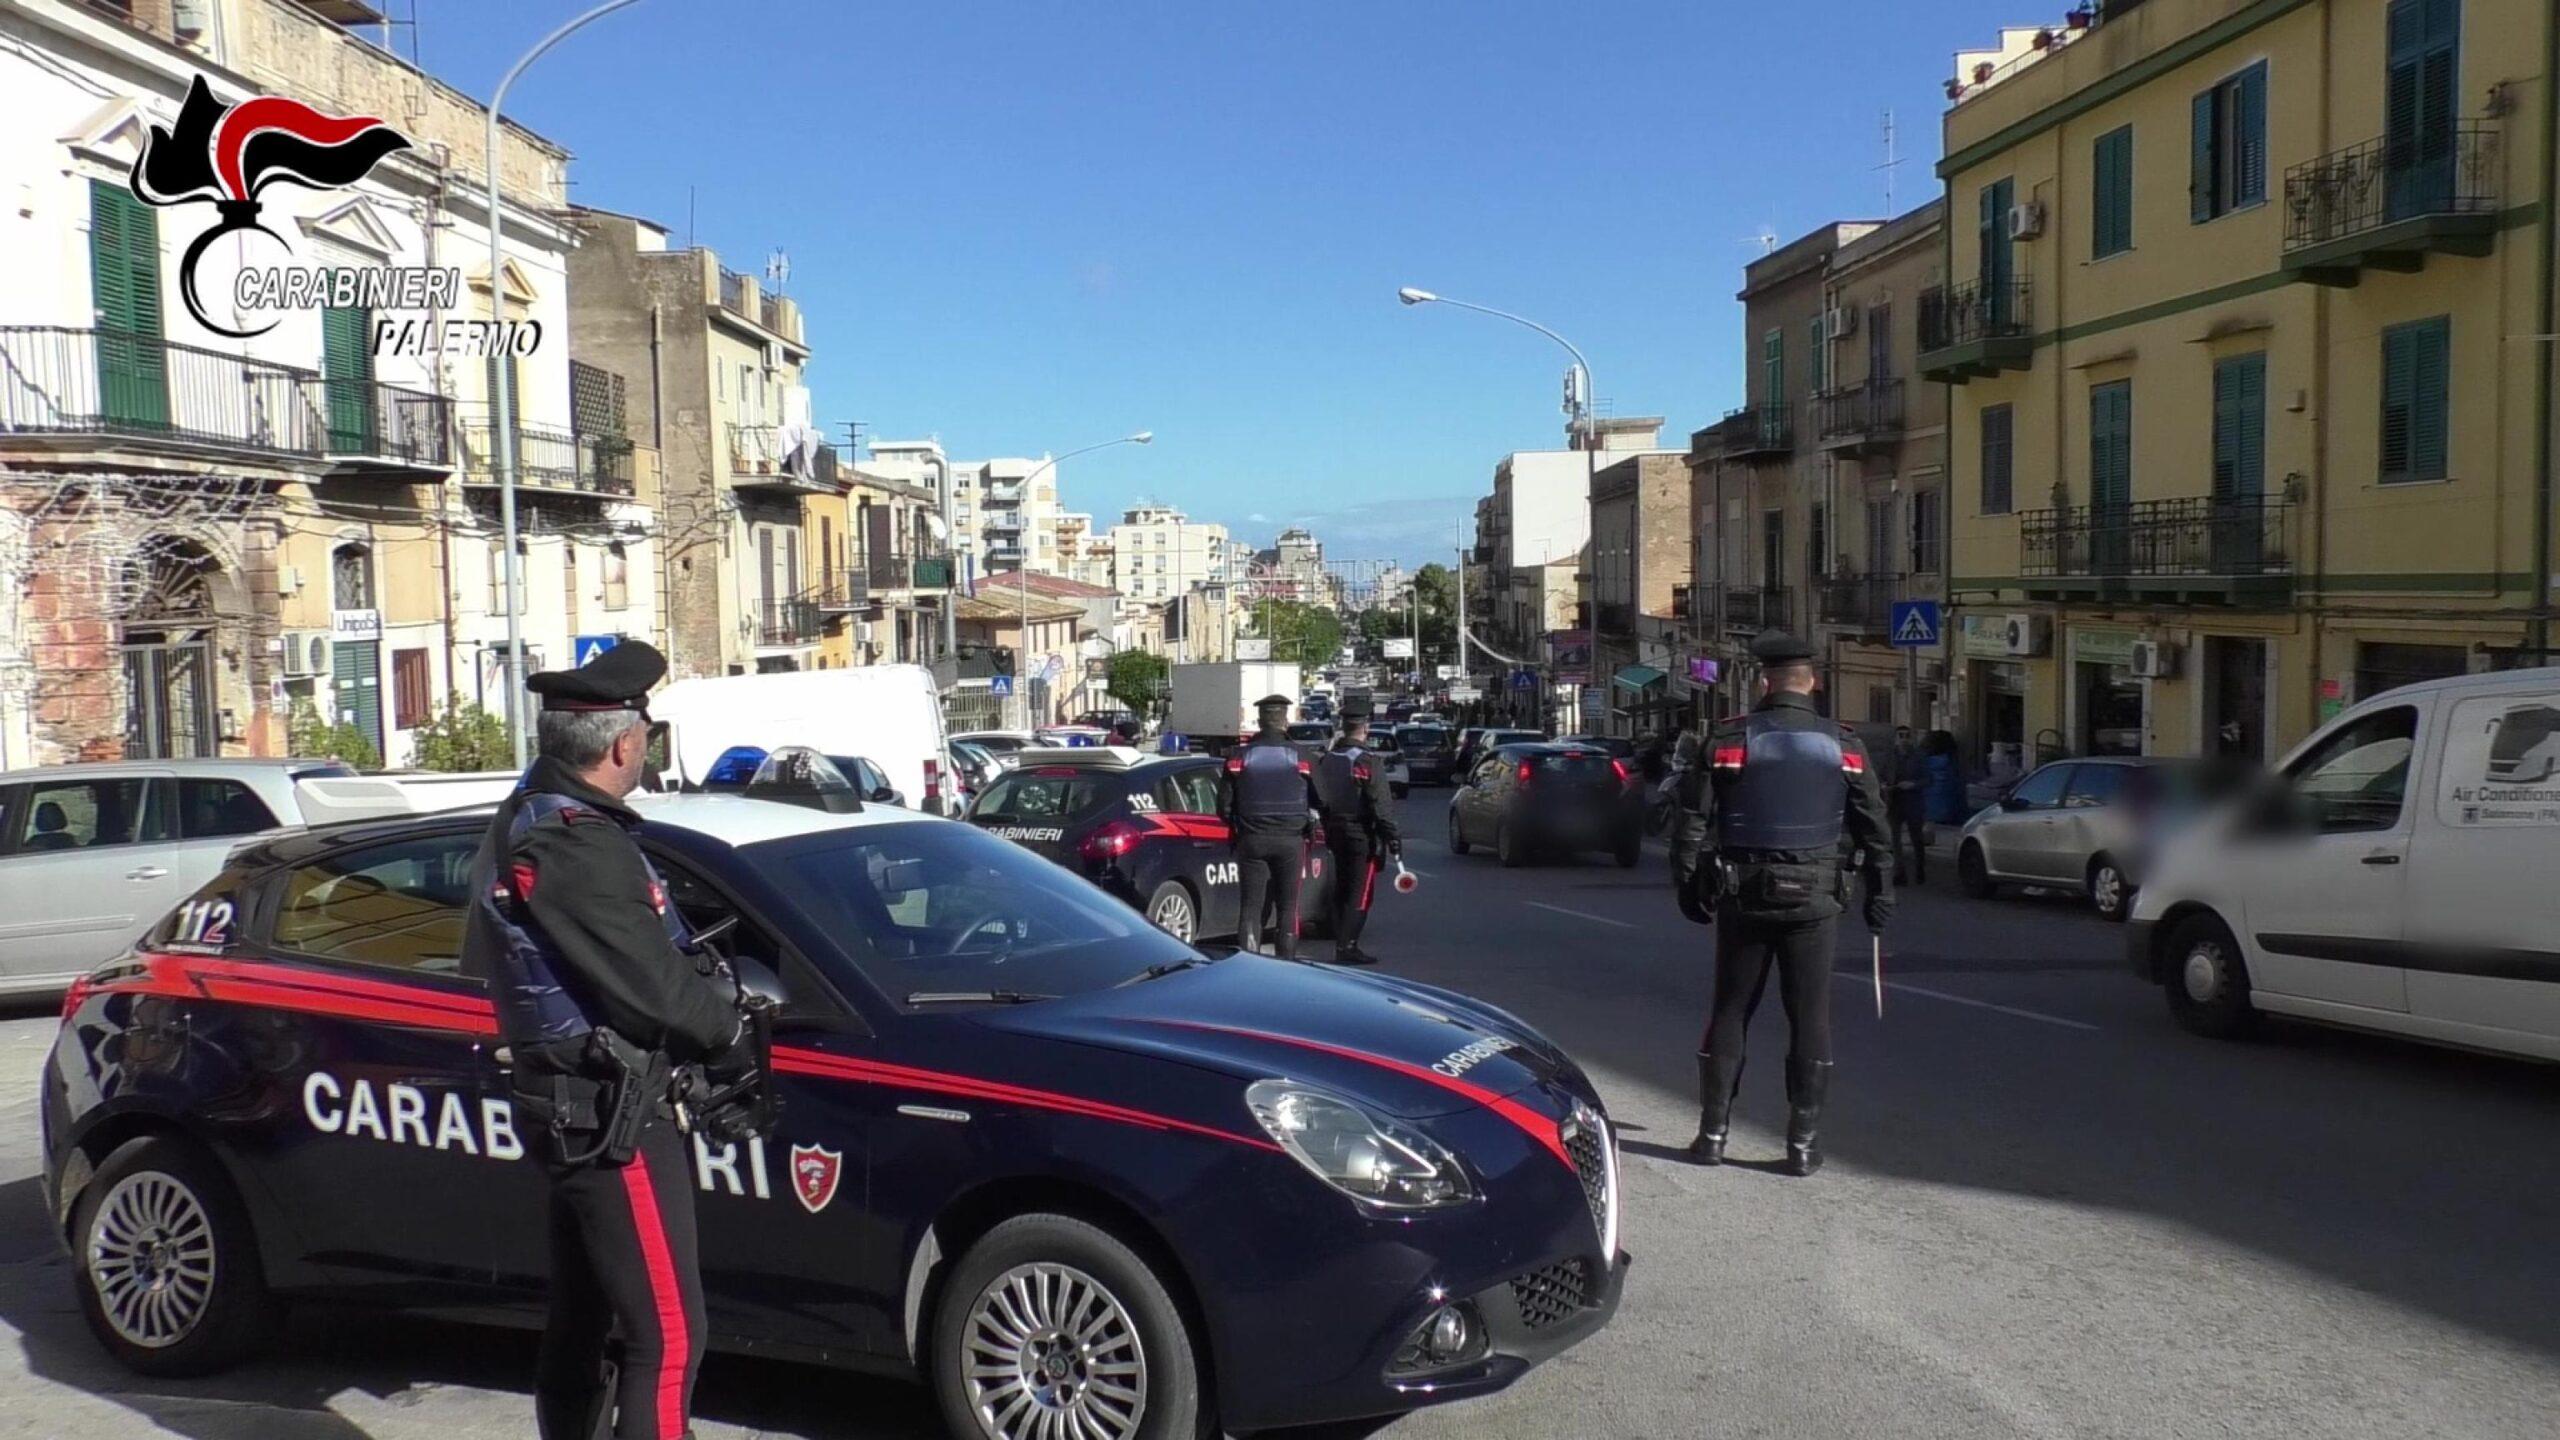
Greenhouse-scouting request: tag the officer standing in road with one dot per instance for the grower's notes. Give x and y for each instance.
(603, 1009)
(1906, 811)
(1758, 854)
(1360, 830)
(1270, 801)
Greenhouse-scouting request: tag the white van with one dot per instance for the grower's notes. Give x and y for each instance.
(890, 715)
(2405, 877)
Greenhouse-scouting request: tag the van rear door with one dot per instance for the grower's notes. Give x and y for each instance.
(2483, 941)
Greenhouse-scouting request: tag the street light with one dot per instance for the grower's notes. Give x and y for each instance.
(501, 403)
(1578, 402)
(1022, 570)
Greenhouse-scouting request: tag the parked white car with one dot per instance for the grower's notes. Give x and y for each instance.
(93, 855)
(2399, 877)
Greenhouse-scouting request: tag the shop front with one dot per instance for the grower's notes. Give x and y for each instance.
(2107, 701)
(1992, 685)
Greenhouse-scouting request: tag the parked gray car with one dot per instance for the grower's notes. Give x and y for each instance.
(93, 855)
(2076, 825)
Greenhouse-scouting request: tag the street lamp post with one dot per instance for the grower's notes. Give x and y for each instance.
(1022, 570)
(1578, 403)
(502, 403)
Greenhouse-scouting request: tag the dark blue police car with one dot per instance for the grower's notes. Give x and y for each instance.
(1073, 1174)
(1147, 828)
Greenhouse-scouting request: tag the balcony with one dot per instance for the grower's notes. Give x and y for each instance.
(1008, 523)
(761, 459)
(386, 427)
(1862, 604)
(788, 622)
(1750, 609)
(1975, 329)
(1004, 492)
(733, 291)
(2387, 204)
(1861, 417)
(557, 462)
(1760, 432)
(2201, 549)
(144, 392)
(874, 579)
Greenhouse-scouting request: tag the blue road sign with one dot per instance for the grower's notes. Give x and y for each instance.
(1000, 685)
(1524, 679)
(1913, 623)
(589, 647)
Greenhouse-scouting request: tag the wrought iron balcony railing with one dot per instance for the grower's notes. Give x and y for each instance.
(2433, 171)
(2239, 537)
(548, 459)
(64, 380)
(1767, 429)
(1862, 601)
(1749, 608)
(1971, 312)
(385, 422)
(1859, 413)
(787, 622)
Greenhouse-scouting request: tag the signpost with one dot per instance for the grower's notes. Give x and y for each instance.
(1000, 685)
(1400, 648)
(1253, 649)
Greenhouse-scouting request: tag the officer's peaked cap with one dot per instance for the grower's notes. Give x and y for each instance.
(618, 679)
(1777, 647)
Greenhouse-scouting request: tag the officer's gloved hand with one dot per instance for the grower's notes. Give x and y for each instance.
(1693, 908)
(1879, 907)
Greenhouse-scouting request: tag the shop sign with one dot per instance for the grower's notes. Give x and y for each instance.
(2103, 647)
(1983, 636)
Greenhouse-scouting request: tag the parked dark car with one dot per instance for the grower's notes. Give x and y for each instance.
(1473, 743)
(1430, 753)
(1529, 800)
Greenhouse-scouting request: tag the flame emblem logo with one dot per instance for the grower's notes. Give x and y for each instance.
(229, 154)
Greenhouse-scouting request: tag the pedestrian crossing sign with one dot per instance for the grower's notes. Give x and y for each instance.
(1914, 623)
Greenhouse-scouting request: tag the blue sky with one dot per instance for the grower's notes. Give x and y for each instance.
(1027, 227)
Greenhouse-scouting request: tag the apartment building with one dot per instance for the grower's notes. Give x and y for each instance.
(1158, 552)
(1638, 556)
(1530, 534)
(714, 365)
(2248, 317)
(1005, 513)
(1878, 435)
(297, 525)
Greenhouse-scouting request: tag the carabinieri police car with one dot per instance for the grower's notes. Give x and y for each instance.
(1076, 1176)
(1147, 828)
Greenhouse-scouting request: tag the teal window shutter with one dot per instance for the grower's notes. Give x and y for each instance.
(1818, 369)
(2200, 196)
(2111, 222)
(1998, 426)
(2416, 394)
(2249, 143)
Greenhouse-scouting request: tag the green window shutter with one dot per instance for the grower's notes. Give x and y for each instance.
(124, 274)
(346, 370)
(2200, 196)
(2111, 446)
(2249, 139)
(2240, 427)
(1997, 429)
(2430, 416)
(1818, 369)
(2111, 227)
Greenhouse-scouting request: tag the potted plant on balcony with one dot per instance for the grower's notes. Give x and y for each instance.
(1982, 72)
(2081, 17)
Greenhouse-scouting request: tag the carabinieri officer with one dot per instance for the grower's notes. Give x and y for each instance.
(602, 1005)
(1270, 803)
(1758, 855)
(1359, 828)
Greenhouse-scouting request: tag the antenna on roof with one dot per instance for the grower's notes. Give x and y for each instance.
(1892, 162)
(777, 271)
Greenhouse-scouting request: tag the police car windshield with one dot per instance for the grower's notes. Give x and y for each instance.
(948, 910)
(1051, 794)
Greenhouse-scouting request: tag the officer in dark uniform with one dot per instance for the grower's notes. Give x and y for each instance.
(1359, 828)
(1271, 801)
(605, 1009)
(1759, 855)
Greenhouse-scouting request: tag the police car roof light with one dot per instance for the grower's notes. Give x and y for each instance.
(738, 765)
(798, 775)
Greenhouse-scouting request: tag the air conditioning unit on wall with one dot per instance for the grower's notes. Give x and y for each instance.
(1840, 320)
(306, 653)
(2025, 635)
(2153, 660)
(2026, 221)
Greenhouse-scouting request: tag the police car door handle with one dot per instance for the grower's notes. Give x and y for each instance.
(2381, 857)
(146, 872)
(935, 1112)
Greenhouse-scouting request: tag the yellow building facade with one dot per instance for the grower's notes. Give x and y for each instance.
(2250, 418)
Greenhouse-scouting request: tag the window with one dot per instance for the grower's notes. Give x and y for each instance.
(124, 278)
(87, 814)
(2227, 161)
(1049, 793)
(497, 576)
(1879, 342)
(1880, 535)
(2357, 778)
(1817, 369)
(2416, 364)
(617, 577)
(209, 808)
(1998, 456)
(2111, 446)
(399, 906)
(410, 707)
(569, 581)
(1927, 536)
(2111, 208)
(2042, 790)
(2420, 108)
(1773, 369)
(1193, 792)
(1879, 704)
(351, 578)
(1817, 545)
(2240, 427)
(2093, 786)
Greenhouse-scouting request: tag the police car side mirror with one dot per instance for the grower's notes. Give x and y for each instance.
(757, 978)
(900, 878)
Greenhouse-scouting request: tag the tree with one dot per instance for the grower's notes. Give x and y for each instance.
(1308, 635)
(464, 737)
(1439, 591)
(1136, 678)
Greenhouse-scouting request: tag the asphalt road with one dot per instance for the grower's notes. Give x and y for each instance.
(2047, 1213)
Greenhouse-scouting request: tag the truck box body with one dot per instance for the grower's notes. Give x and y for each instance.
(1212, 703)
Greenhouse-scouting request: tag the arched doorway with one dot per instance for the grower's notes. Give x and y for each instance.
(168, 654)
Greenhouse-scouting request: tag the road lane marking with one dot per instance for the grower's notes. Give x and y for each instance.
(1896, 985)
(1579, 914)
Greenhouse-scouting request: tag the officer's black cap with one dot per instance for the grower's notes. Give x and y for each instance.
(1273, 702)
(618, 679)
(1777, 647)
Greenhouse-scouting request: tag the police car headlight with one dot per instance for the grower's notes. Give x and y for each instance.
(1369, 1158)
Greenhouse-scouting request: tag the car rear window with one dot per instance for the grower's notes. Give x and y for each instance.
(1579, 764)
(1045, 792)
(1310, 732)
(1423, 739)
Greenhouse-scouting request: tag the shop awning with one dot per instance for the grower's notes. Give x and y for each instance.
(1638, 677)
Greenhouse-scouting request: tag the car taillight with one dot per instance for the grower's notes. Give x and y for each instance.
(75, 997)
(1526, 770)
(934, 797)
(1619, 767)
(1111, 841)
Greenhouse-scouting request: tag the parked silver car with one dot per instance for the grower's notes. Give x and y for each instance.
(2077, 825)
(93, 855)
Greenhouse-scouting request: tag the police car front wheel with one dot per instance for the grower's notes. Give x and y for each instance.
(1171, 911)
(167, 1268)
(1050, 1325)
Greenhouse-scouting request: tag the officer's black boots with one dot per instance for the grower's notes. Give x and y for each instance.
(1808, 1081)
(1717, 1079)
